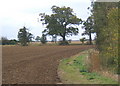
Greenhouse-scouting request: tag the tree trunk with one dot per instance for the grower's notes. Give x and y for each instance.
(90, 39)
(64, 37)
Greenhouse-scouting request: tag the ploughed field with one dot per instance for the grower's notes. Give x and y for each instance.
(35, 64)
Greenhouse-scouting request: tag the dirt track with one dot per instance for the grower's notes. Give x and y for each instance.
(35, 64)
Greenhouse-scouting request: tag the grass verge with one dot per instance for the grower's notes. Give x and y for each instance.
(74, 70)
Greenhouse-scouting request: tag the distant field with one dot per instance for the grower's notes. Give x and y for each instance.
(50, 43)
(35, 64)
(53, 43)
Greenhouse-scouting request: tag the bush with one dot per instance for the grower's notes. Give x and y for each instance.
(43, 39)
(63, 43)
(69, 40)
(13, 42)
(5, 41)
(83, 40)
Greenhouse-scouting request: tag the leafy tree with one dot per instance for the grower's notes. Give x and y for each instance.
(37, 38)
(100, 12)
(43, 39)
(88, 26)
(24, 36)
(62, 22)
(13, 42)
(29, 37)
(83, 40)
(110, 35)
(4, 41)
(106, 27)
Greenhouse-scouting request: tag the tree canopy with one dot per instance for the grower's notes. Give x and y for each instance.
(106, 23)
(24, 36)
(89, 28)
(37, 38)
(62, 22)
(43, 39)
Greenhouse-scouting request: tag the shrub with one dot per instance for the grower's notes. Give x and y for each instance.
(69, 40)
(5, 41)
(13, 42)
(83, 40)
(43, 39)
(63, 43)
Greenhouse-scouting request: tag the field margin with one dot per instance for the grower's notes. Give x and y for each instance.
(71, 75)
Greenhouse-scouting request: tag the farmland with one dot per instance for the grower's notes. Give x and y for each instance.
(35, 64)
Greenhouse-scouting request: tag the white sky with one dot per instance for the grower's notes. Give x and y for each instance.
(14, 14)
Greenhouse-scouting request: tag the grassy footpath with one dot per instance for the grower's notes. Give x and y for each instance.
(74, 70)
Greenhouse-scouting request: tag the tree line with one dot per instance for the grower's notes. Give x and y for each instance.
(63, 22)
(106, 26)
(5, 41)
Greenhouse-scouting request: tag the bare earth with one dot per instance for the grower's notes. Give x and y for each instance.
(35, 64)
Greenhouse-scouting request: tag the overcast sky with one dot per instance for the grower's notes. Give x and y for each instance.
(18, 13)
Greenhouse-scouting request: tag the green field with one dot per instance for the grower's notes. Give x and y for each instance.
(75, 71)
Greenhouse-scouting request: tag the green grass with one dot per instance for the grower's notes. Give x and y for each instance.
(75, 71)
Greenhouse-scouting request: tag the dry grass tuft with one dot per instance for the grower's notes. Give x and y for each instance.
(93, 61)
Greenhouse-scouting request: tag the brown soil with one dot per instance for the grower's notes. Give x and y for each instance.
(34, 64)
